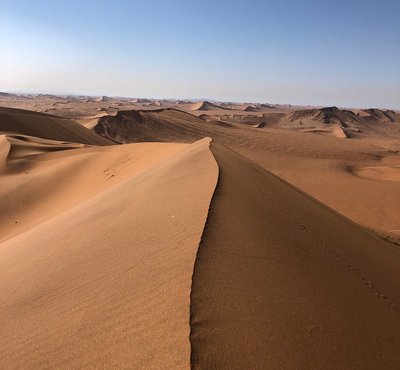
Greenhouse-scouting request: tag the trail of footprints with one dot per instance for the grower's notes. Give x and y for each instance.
(367, 283)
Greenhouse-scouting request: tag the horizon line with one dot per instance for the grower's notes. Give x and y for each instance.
(194, 99)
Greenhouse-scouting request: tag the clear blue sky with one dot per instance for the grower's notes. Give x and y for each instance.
(344, 53)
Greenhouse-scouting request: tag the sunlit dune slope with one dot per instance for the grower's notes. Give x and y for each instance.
(47, 127)
(105, 283)
(41, 178)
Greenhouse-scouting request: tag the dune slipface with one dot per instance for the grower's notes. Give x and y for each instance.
(106, 283)
(282, 282)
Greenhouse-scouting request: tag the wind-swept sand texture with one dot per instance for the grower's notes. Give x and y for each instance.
(282, 282)
(106, 283)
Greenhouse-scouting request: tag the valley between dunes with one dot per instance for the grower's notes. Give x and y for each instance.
(204, 242)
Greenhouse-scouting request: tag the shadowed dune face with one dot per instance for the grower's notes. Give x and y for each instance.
(282, 282)
(155, 125)
(382, 115)
(330, 115)
(345, 123)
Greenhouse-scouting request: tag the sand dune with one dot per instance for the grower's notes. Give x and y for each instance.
(382, 115)
(47, 127)
(342, 123)
(282, 282)
(106, 284)
(250, 108)
(17, 148)
(112, 256)
(268, 106)
(42, 179)
(168, 125)
(206, 105)
(346, 119)
(330, 115)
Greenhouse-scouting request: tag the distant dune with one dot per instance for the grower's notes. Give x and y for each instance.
(269, 106)
(153, 125)
(345, 118)
(206, 105)
(7, 96)
(330, 115)
(383, 115)
(344, 123)
(250, 108)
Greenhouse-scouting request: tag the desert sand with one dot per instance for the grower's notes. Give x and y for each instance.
(282, 282)
(142, 233)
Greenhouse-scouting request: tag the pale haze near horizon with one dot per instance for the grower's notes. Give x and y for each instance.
(344, 53)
